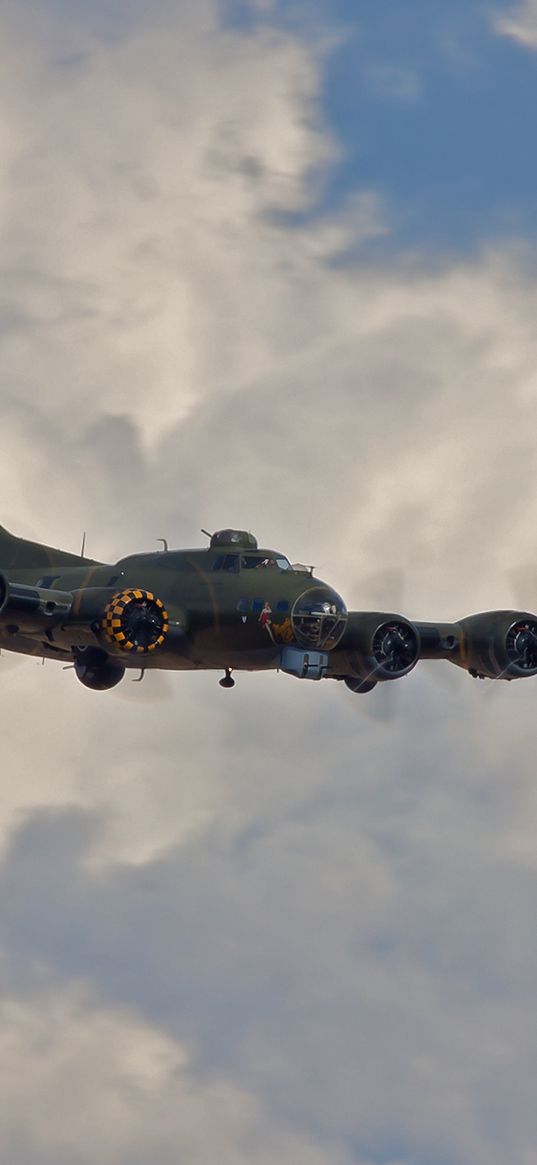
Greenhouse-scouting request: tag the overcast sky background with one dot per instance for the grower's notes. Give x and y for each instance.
(272, 265)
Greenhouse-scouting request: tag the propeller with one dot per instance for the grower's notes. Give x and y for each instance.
(522, 644)
(142, 623)
(382, 590)
(395, 647)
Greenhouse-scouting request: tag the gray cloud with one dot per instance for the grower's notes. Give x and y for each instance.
(315, 922)
(101, 1084)
(349, 940)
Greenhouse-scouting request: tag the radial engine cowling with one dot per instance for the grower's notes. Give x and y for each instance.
(499, 645)
(135, 621)
(381, 646)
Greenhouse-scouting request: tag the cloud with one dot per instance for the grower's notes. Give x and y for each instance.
(360, 963)
(298, 920)
(97, 1084)
(135, 175)
(520, 23)
(392, 83)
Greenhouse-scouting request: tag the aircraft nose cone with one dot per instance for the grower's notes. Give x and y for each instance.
(319, 618)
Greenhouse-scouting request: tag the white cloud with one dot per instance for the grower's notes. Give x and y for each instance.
(336, 910)
(520, 23)
(133, 203)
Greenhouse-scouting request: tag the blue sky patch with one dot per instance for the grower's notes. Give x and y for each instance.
(432, 109)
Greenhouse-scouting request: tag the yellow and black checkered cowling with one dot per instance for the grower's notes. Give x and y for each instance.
(135, 621)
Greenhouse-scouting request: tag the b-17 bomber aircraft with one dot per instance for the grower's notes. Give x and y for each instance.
(229, 607)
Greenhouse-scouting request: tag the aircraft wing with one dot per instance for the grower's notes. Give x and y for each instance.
(381, 646)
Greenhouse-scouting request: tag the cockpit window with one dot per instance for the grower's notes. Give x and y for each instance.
(226, 562)
(263, 562)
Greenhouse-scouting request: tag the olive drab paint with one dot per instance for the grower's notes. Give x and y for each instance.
(229, 606)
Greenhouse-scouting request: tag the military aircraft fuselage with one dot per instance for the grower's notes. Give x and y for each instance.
(230, 606)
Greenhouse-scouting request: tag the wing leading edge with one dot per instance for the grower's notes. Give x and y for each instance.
(380, 646)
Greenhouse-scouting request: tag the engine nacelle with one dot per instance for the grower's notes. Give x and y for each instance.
(26, 608)
(96, 670)
(498, 645)
(379, 646)
(132, 621)
(135, 621)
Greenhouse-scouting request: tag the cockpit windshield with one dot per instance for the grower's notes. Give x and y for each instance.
(264, 562)
(235, 562)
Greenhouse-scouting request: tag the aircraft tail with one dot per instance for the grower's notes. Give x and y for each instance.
(21, 554)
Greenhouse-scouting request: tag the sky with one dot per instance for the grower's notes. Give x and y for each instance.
(272, 265)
